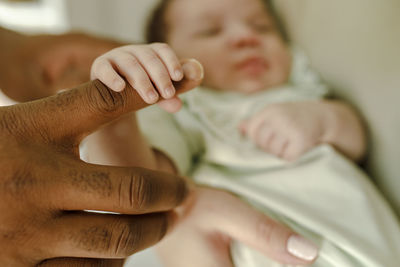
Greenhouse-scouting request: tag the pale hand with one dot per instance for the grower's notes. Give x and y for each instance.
(287, 130)
(213, 218)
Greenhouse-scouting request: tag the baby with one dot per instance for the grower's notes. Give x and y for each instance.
(258, 127)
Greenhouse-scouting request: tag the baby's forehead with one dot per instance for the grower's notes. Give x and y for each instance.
(200, 11)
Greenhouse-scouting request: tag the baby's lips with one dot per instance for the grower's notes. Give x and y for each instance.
(192, 69)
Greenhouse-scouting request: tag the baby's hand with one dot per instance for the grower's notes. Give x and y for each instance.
(286, 130)
(149, 69)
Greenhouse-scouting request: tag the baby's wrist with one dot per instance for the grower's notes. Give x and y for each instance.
(329, 122)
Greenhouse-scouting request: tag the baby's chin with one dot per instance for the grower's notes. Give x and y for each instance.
(251, 86)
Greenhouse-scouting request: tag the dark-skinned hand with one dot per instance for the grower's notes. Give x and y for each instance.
(45, 188)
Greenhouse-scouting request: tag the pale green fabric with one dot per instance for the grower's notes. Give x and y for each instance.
(354, 45)
(323, 195)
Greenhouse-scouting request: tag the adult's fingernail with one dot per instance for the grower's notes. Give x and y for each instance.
(301, 248)
(118, 85)
(193, 70)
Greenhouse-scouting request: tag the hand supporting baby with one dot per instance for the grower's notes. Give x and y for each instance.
(213, 218)
(289, 130)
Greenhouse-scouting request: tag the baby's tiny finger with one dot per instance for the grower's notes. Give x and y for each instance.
(157, 72)
(253, 127)
(264, 138)
(169, 58)
(103, 71)
(278, 145)
(291, 152)
(137, 77)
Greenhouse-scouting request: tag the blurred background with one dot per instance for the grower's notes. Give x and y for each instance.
(100, 17)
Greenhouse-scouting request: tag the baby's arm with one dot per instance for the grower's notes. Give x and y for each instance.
(345, 129)
(288, 130)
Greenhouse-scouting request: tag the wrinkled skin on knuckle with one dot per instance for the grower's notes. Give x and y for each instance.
(104, 100)
(127, 239)
(140, 192)
(133, 237)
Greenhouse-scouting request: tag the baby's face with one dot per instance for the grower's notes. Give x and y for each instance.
(237, 42)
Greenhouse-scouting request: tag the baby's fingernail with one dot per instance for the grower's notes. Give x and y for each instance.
(169, 92)
(152, 96)
(301, 248)
(178, 75)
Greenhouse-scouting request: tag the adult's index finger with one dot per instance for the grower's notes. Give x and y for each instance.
(75, 113)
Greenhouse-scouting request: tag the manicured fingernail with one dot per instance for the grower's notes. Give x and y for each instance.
(152, 96)
(302, 248)
(169, 92)
(178, 75)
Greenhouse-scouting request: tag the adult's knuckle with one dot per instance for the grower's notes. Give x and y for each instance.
(103, 99)
(138, 193)
(127, 239)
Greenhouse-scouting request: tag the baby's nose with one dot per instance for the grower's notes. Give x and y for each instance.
(244, 36)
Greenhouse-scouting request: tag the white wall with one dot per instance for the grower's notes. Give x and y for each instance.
(121, 19)
(34, 17)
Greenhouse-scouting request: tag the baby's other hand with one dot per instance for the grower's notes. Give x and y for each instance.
(149, 69)
(286, 130)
